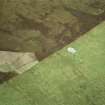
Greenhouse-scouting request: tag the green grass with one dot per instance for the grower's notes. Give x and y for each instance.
(63, 78)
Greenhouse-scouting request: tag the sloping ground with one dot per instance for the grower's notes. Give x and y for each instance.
(40, 28)
(69, 77)
(45, 26)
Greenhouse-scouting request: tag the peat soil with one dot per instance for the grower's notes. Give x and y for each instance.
(87, 22)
